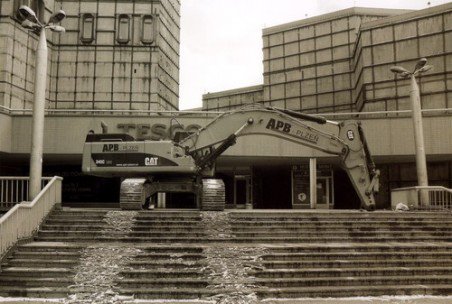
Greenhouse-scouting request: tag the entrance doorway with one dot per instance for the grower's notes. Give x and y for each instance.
(301, 188)
(243, 194)
(324, 192)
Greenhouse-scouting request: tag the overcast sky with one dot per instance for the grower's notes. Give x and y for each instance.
(221, 40)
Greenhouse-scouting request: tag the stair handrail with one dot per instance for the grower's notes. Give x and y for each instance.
(24, 219)
(14, 189)
(439, 197)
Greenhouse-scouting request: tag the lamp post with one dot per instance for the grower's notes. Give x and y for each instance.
(421, 163)
(31, 22)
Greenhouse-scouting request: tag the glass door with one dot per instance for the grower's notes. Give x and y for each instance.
(242, 191)
(324, 192)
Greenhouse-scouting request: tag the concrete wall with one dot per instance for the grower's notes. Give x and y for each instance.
(17, 55)
(105, 72)
(232, 99)
(402, 40)
(388, 138)
(5, 133)
(307, 63)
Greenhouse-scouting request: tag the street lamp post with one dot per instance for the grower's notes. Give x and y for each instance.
(421, 163)
(31, 22)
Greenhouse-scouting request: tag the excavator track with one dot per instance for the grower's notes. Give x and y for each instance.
(213, 195)
(132, 195)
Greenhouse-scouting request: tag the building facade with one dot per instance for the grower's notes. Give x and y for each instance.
(339, 62)
(114, 55)
(119, 63)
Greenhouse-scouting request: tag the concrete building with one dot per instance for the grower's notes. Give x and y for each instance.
(339, 62)
(122, 56)
(115, 55)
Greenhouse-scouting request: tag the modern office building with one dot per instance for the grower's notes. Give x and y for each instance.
(118, 63)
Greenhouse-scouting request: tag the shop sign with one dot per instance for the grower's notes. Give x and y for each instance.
(300, 187)
(157, 131)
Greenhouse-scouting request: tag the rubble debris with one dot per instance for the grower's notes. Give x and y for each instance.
(228, 265)
(101, 264)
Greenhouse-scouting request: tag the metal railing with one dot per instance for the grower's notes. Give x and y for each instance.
(21, 221)
(439, 198)
(14, 189)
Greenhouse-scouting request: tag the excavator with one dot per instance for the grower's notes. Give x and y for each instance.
(187, 163)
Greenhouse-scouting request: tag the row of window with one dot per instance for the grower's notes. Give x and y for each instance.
(124, 33)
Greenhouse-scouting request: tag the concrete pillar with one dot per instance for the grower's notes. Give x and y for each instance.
(421, 163)
(39, 104)
(161, 200)
(313, 182)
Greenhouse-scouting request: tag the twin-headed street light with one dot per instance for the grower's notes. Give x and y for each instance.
(31, 22)
(421, 163)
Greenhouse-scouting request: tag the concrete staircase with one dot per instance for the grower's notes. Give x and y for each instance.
(232, 255)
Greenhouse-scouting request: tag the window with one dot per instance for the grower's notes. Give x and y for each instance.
(87, 30)
(123, 29)
(148, 29)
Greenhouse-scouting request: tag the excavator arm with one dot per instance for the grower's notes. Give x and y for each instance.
(347, 142)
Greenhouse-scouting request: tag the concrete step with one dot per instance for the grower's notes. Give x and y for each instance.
(68, 217)
(355, 281)
(254, 240)
(332, 233)
(45, 255)
(37, 272)
(172, 263)
(35, 282)
(94, 234)
(98, 228)
(50, 247)
(297, 282)
(275, 265)
(353, 247)
(355, 291)
(357, 256)
(446, 235)
(167, 223)
(88, 222)
(171, 293)
(169, 256)
(339, 228)
(163, 283)
(334, 291)
(351, 272)
(33, 292)
(346, 214)
(242, 230)
(358, 264)
(186, 249)
(68, 227)
(42, 263)
(192, 273)
(333, 222)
